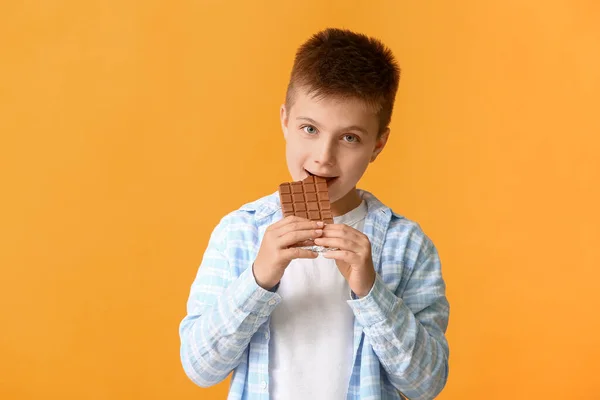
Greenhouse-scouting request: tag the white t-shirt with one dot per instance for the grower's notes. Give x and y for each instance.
(312, 328)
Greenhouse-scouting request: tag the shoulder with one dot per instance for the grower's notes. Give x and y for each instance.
(402, 226)
(263, 206)
(406, 250)
(401, 231)
(249, 216)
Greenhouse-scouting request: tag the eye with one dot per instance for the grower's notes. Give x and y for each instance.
(350, 138)
(311, 130)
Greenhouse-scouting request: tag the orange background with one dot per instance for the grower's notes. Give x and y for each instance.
(117, 116)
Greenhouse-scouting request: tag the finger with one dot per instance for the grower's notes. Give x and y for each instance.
(342, 255)
(341, 230)
(301, 225)
(355, 237)
(294, 237)
(296, 252)
(337, 243)
(338, 227)
(360, 241)
(287, 220)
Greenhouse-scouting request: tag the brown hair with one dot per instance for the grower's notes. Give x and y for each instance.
(346, 64)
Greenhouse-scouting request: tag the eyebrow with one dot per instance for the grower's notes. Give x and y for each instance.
(349, 128)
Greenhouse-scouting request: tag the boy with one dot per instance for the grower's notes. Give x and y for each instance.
(365, 320)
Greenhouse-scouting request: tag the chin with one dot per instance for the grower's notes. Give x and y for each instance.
(335, 194)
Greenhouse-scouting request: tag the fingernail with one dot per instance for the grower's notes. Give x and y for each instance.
(320, 224)
(319, 231)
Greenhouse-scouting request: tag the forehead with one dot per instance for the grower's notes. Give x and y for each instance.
(334, 111)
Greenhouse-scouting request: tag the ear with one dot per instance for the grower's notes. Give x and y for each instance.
(380, 144)
(283, 116)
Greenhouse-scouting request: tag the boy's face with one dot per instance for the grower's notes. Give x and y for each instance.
(332, 138)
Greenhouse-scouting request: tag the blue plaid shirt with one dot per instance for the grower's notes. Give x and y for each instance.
(399, 329)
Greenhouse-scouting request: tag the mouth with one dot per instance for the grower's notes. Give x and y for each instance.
(328, 179)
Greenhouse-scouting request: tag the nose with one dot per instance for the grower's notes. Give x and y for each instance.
(324, 153)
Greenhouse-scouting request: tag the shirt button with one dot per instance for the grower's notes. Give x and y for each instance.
(272, 302)
(267, 335)
(263, 385)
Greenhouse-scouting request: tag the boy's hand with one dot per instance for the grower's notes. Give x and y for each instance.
(275, 255)
(353, 258)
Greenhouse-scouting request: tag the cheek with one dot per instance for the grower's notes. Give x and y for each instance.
(294, 154)
(358, 164)
(296, 148)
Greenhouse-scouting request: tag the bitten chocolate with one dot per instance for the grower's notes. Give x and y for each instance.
(308, 199)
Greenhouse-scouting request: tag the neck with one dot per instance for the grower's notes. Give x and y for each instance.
(347, 203)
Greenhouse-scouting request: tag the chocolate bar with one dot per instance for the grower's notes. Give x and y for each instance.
(308, 199)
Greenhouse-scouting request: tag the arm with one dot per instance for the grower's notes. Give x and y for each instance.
(408, 333)
(223, 312)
